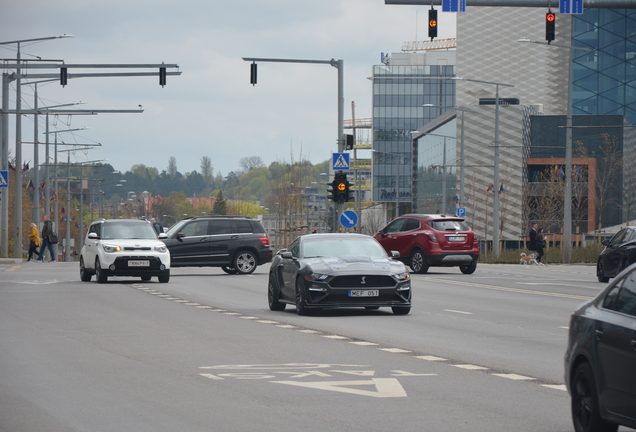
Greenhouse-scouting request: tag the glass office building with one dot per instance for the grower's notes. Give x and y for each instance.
(405, 97)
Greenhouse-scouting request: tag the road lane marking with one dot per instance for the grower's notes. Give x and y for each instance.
(555, 387)
(515, 290)
(514, 377)
(394, 350)
(399, 373)
(459, 312)
(384, 387)
(364, 343)
(431, 358)
(470, 367)
(335, 337)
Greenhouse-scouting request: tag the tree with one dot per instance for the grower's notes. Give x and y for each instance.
(220, 205)
(249, 163)
(172, 167)
(207, 171)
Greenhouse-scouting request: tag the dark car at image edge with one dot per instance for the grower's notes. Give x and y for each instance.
(618, 254)
(237, 244)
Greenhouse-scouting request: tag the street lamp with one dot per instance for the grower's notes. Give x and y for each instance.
(495, 216)
(567, 199)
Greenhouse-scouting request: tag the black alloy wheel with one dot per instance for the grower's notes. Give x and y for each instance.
(300, 297)
(85, 276)
(272, 297)
(99, 273)
(418, 262)
(469, 268)
(585, 410)
(600, 272)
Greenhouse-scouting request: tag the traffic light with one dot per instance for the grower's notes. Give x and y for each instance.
(63, 76)
(162, 76)
(550, 27)
(432, 23)
(348, 142)
(331, 190)
(253, 74)
(339, 188)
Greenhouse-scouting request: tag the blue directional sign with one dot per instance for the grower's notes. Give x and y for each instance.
(453, 5)
(4, 178)
(348, 219)
(340, 161)
(571, 6)
(461, 212)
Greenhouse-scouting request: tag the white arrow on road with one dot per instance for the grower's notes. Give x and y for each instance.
(384, 387)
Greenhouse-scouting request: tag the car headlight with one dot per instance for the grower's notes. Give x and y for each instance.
(403, 276)
(161, 248)
(112, 248)
(316, 277)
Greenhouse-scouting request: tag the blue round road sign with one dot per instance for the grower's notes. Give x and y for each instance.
(348, 219)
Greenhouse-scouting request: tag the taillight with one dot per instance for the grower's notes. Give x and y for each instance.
(431, 236)
(264, 241)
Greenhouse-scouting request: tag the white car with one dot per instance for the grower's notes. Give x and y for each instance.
(124, 247)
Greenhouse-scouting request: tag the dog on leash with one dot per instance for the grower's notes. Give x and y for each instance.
(528, 259)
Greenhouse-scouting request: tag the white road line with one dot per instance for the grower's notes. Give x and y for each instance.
(335, 337)
(514, 377)
(459, 312)
(364, 343)
(431, 358)
(394, 350)
(286, 326)
(555, 387)
(471, 367)
(268, 322)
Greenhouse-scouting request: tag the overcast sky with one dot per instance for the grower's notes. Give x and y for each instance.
(211, 109)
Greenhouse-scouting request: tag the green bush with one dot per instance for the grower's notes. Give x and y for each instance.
(552, 255)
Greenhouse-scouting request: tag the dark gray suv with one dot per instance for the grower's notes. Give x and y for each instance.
(237, 244)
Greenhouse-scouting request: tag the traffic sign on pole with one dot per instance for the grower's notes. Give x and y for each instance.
(453, 5)
(461, 212)
(348, 219)
(340, 161)
(571, 6)
(4, 179)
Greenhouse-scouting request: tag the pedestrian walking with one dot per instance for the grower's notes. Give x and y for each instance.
(34, 241)
(541, 243)
(47, 233)
(156, 225)
(532, 244)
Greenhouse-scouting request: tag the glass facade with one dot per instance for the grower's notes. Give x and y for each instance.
(399, 96)
(604, 80)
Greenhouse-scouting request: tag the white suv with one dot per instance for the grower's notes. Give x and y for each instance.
(124, 247)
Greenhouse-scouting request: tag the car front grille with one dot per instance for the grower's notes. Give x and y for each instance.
(363, 281)
(128, 248)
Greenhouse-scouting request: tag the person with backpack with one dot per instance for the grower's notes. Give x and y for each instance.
(47, 233)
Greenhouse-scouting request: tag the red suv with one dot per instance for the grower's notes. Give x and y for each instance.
(431, 240)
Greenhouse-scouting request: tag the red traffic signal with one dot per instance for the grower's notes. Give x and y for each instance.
(550, 26)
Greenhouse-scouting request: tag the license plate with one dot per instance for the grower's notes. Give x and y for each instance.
(456, 239)
(140, 263)
(364, 293)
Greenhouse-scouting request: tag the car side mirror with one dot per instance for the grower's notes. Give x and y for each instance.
(93, 235)
(180, 236)
(605, 242)
(287, 255)
(162, 236)
(395, 254)
(382, 232)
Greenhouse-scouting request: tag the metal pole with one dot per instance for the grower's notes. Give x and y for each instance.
(17, 198)
(36, 163)
(495, 211)
(47, 186)
(67, 247)
(4, 202)
(55, 192)
(444, 179)
(397, 186)
(567, 203)
(461, 165)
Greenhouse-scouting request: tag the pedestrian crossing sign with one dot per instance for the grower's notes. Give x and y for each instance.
(340, 161)
(4, 178)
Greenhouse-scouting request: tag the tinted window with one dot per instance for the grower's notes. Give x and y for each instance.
(618, 238)
(257, 227)
(221, 227)
(449, 225)
(294, 248)
(195, 228)
(128, 231)
(243, 226)
(396, 226)
(95, 228)
(411, 224)
(629, 236)
(626, 299)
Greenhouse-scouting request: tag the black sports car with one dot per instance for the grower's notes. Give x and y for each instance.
(338, 270)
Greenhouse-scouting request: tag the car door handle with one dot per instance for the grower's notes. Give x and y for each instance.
(234, 237)
(599, 334)
(203, 239)
(394, 238)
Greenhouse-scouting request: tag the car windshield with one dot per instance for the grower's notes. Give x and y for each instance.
(128, 231)
(335, 247)
(176, 228)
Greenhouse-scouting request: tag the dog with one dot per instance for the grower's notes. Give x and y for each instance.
(528, 259)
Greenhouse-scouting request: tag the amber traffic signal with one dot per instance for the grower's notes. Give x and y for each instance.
(432, 23)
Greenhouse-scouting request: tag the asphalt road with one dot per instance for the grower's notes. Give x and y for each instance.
(481, 352)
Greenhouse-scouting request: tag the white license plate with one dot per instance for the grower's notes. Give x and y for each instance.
(456, 239)
(140, 263)
(364, 293)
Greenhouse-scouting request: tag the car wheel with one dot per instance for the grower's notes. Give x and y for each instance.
(418, 261)
(272, 296)
(468, 269)
(245, 262)
(165, 277)
(228, 270)
(85, 276)
(600, 272)
(401, 310)
(585, 410)
(146, 278)
(99, 273)
(300, 297)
